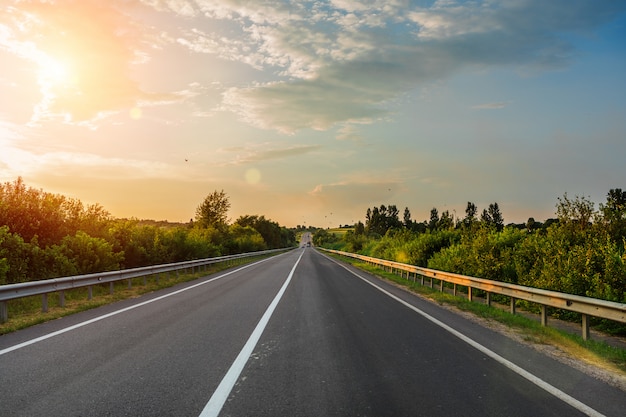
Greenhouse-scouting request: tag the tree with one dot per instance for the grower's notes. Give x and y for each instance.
(575, 215)
(446, 221)
(434, 219)
(407, 218)
(470, 214)
(213, 211)
(273, 234)
(380, 219)
(492, 217)
(496, 216)
(359, 228)
(614, 214)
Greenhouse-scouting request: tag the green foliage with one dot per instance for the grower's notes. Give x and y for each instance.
(32, 213)
(492, 217)
(355, 240)
(486, 253)
(14, 253)
(380, 219)
(588, 263)
(245, 239)
(90, 254)
(614, 215)
(575, 216)
(322, 238)
(272, 233)
(43, 236)
(581, 252)
(139, 243)
(4, 268)
(404, 245)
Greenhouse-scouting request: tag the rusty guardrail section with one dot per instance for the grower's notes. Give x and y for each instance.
(585, 305)
(44, 287)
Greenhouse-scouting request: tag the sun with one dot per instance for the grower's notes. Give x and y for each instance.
(53, 72)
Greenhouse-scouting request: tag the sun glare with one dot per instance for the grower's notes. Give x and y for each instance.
(53, 71)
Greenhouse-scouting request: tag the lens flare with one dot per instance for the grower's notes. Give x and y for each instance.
(253, 176)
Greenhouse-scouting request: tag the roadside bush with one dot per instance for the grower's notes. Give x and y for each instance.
(488, 254)
(90, 254)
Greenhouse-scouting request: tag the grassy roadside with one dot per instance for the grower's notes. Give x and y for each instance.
(597, 353)
(26, 312)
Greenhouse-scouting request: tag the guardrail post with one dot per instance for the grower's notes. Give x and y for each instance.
(61, 298)
(111, 288)
(544, 315)
(4, 311)
(513, 305)
(585, 327)
(441, 285)
(89, 292)
(454, 290)
(469, 293)
(44, 303)
(422, 276)
(488, 298)
(130, 284)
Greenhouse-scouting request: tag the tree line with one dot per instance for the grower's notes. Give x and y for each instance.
(45, 235)
(581, 251)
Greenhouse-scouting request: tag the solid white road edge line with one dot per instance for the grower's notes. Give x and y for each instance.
(114, 313)
(219, 397)
(583, 408)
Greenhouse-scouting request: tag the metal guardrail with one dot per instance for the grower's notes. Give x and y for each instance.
(44, 287)
(585, 305)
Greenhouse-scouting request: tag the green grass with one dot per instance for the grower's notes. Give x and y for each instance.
(592, 351)
(26, 312)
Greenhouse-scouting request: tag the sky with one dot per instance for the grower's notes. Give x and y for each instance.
(309, 112)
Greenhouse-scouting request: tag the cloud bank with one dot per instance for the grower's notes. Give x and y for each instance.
(343, 60)
(319, 63)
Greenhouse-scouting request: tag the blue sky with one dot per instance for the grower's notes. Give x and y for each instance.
(310, 112)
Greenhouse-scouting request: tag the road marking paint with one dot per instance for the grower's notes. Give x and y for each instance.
(123, 310)
(583, 408)
(219, 397)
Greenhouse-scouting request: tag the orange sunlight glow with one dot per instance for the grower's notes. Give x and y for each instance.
(81, 52)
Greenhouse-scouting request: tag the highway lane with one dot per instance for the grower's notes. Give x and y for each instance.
(337, 346)
(163, 358)
(334, 346)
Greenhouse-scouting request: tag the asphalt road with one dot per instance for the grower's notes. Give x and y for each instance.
(295, 335)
